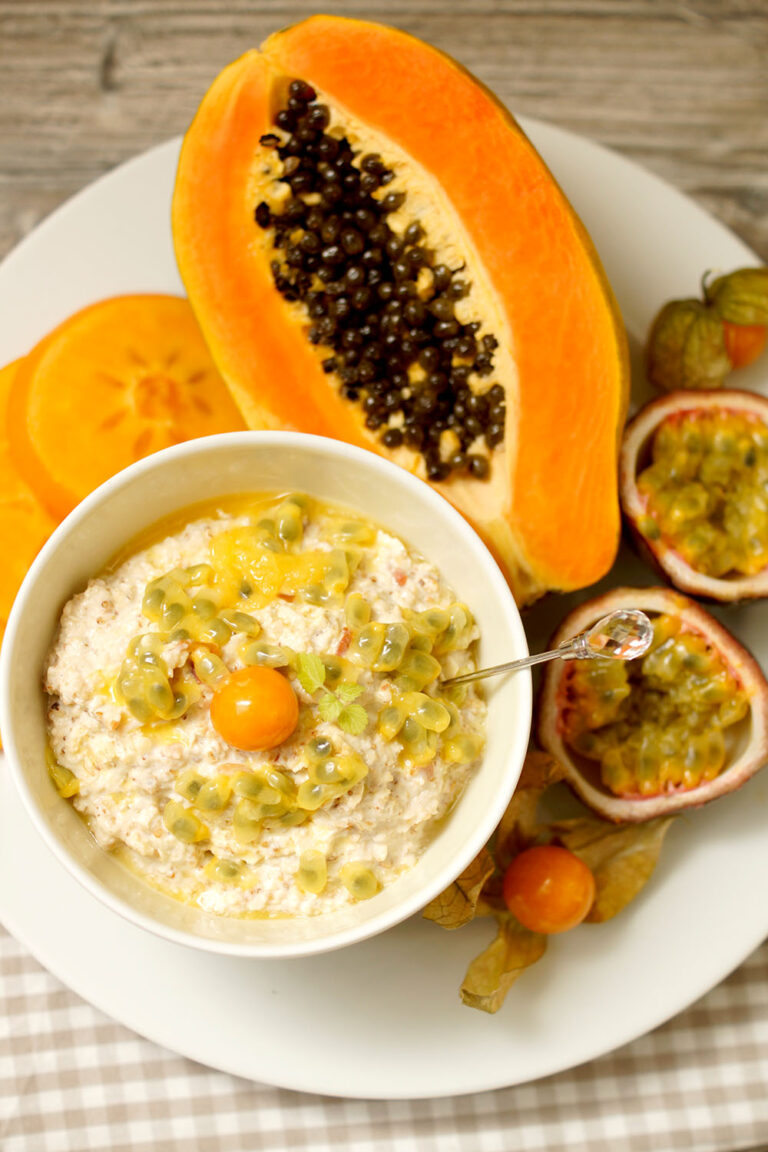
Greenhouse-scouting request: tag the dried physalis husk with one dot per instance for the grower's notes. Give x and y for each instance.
(519, 828)
(457, 905)
(477, 892)
(491, 974)
(621, 858)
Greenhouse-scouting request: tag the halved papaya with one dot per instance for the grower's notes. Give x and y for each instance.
(376, 252)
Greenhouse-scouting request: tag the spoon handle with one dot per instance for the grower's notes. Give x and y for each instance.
(622, 635)
(510, 666)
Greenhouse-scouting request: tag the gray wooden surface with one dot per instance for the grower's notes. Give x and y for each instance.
(680, 87)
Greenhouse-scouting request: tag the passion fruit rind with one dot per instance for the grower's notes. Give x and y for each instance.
(659, 549)
(747, 754)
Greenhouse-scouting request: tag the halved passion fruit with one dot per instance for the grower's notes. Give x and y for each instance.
(694, 489)
(375, 252)
(686, 723)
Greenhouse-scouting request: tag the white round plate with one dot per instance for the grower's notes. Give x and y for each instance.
(383, 1018)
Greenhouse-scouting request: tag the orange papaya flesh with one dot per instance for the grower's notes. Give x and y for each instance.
(24, 523)
(548, 509)
(117, 381)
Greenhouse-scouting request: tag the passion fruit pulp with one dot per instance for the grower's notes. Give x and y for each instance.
(694, 490)
(684, 724)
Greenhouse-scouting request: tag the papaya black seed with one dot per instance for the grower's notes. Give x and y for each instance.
(285, 120)
(372, 162)
(392, 201)
(327, 148)
(365, 219)
(358, 281)
(442, 308)
(477, 405)
(318, 117)
(352, 242)
(478, 466)
(361, 298)
(441, 275)
(392, 438)
(445, 328)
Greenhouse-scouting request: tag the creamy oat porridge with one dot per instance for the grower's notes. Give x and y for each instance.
(248, 711)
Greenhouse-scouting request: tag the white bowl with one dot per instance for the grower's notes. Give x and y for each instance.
(260, 461)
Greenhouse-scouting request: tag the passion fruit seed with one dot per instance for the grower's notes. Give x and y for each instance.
(430, 713)
(377, 299)
(214, 795)
(312, 875)
(391, 720)
(419, 743)
(185, 603)
(353, 532)
(188, 784)
(357, 611)
(223, 871)
(267, 655)
(183, 823)
(247, 821)
(65, 782)
(359, 881)
(318, 749)
(416, 671)
(463, 748)
(242, 622)
(329, 779)
(705, 491)
(657, 724)
(208, 667)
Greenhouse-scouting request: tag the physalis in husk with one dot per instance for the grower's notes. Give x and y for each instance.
(697, 343)
(619, 858)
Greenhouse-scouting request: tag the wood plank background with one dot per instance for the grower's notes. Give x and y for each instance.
(680, 87)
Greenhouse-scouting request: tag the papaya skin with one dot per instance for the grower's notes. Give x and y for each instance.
(552, 517)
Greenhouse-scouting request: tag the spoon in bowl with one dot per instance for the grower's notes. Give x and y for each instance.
(622, 635)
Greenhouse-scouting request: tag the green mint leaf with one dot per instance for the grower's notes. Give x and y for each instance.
(353, 719)
(347, 692)
(329, 707)
(310, 671)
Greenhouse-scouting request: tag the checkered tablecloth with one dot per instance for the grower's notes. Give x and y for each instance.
(71, 1080)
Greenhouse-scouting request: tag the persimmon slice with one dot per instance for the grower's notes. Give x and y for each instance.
(24, 523)
(115, 382)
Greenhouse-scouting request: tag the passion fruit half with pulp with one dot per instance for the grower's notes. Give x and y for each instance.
(694, 489)
(680, 726)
